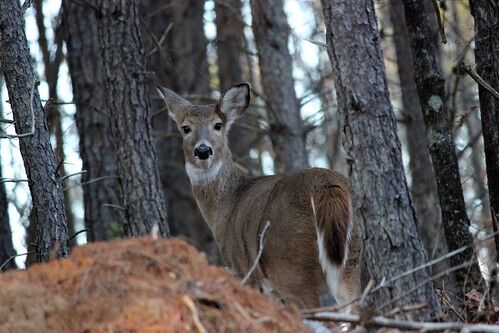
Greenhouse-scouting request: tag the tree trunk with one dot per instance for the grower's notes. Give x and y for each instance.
(431, 89)
(230, 40)
(126, 96)
(381, 197)
(271, 31)
(6, 247)
(424, 188)
(93, 123)
(38, 156)
(487, 65)
(180, 64)
(51, 72)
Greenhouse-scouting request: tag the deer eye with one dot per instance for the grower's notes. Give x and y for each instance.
(218, 126)
(186, 129)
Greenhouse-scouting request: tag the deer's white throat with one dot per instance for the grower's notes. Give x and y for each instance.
(199, 176)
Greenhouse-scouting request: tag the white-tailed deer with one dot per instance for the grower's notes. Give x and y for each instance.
(311, 245)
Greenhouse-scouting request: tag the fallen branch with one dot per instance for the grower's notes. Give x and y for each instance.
(379, 321)
(478, 79)
(195, 314)
(259, 254)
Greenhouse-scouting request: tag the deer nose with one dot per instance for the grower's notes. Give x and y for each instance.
(203, 152)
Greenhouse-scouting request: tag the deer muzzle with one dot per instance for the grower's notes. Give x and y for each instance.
(203, 152)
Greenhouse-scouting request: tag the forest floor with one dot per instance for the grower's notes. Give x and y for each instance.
(136, 285)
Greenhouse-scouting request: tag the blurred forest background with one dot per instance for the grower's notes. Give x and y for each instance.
(200, 48)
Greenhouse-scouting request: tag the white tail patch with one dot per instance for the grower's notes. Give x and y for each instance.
(332, 271)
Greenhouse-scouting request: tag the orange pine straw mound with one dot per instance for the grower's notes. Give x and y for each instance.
(136, 285)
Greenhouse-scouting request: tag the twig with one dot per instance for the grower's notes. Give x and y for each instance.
(113, 206)
(6, 121)
(88, 182)
(10, 180)
(15, 256)
(316, 42)
(32, 132)
(74, 174)
(478, 79)
(26, 5)
(407, 308)
(77, 233)
(259, 254)
(195, 314)
(431, 279)
(379, 321)
(384, 284)
(441, 27)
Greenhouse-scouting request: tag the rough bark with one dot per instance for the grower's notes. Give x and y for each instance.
(51, 72)
(180, 64)
(271, 31)
(93, 123)
(381, 202)
(424, 188)
(431, 90)
(126, 94)
(6, 247)
(230, 40)
(38, 156)
(487, 66)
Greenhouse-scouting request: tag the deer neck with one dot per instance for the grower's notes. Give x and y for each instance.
(214, 191)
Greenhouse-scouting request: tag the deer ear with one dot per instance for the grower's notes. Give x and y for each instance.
(235, 101)
(175, 104)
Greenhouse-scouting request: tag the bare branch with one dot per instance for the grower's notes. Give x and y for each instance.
(12, 257)
(74, 174)
(259, 254)
(89, 182)
(113, 206)
(478, 79)
(316, 42)
(6, 121)
(11, 180)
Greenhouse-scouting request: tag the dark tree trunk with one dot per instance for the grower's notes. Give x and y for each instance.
(271, 31)
(126, 95)
(382, 202)
(431, 89)
(230, 37)
(6, 247)
(51, 73)
(180, 64)
(487, 65)
(424, 188)
(93, 123)
(38, 156)
(230, 40)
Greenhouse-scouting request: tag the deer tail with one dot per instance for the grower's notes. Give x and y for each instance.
(331, 207)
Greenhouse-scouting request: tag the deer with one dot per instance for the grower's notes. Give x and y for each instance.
(312, 244)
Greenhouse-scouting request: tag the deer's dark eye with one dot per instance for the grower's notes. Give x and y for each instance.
(218, 126)
(186, 129)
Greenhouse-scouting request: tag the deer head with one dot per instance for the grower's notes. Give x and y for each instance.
(205, 128)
